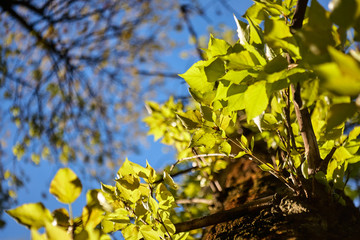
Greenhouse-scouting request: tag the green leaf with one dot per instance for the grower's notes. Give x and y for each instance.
(216, 47)
(269, 122)
(239, 76)
(168, 180)
(214, 70)
(202, 138)
(56, 233)
(142, 172)
(304, 169)
(240, 154)
(339, 113)
(165, 198)
(32, 215)
(196, 78)
(236, 97)
(181, 236)
(244, 141)
(266, 167)
(256, 100)
(153, 205)
(256, 12)
(202, 98)
(240, 60)
(35, 235)
(345, 68)
(169, 226)
(120, 216)
(91, 217)
(242, 30)
(190, 119)
(66, 186)
(225, 147)
(61, 217)
(148, 233)
(341, 154)
(354, 133)
(277, 64)
(277, 35)
(330, 74)
(131, 232)
(255, 32)
(206, 113)
(344, 12)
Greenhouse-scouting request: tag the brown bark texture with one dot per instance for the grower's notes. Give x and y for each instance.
(288, 217)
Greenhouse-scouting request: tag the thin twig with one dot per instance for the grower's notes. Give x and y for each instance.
(185, 11)
(199, 156)
(195, 201)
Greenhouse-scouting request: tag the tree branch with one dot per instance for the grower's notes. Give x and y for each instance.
(303, 117)
(227, 215)
(159, 74)
(195, 201)
(299, 14)
(184, 10)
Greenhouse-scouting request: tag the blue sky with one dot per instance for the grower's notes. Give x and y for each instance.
(157, 154)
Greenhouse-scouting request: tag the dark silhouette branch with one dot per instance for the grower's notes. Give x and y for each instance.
(159, 74)
(327, 159)
(299, 14)
(185, 11)
(227, 215)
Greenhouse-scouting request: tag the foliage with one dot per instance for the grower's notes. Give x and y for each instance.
(273, 80)
(71, 73)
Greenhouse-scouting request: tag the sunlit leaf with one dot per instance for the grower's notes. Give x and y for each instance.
(216, 47)
(202, 138)
(148, 233)
(32, 215)
(225, 147)
(339, 113)
(56, 233)
(196, 78)
(256, 99)
(66, 186)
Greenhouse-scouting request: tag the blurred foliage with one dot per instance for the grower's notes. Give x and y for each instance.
(73, 72)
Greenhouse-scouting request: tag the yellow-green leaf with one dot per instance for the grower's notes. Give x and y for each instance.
(32, 215)
(225, 147)
(56, 233)
(168, 180)
(148, 233)
(256, 100)
(196, 78)
(66, 186)
(35, 235)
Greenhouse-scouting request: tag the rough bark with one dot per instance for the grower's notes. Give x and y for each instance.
(289, 217)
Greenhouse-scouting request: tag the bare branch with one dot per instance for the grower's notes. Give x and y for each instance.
(195, 201)
(299, 14)
(227, 215)
(185, 11)
(303, 117)
(159, 74)
(200, 156)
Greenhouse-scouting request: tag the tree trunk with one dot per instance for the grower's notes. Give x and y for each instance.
(288, 217)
